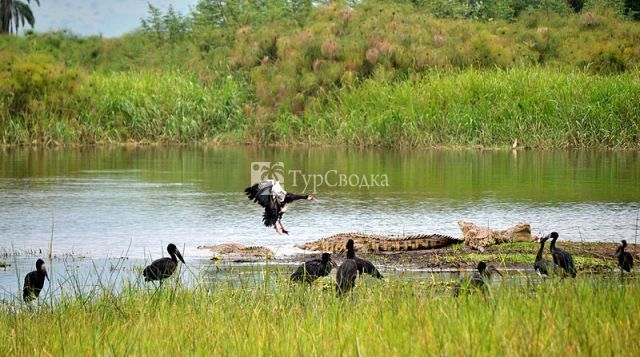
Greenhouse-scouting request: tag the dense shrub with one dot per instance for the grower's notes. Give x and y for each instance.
(33, 82)
(339, 45)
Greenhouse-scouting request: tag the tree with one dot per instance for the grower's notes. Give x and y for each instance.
(171, 26)
(15, 13)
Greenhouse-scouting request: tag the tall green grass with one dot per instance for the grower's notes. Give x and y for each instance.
(539, 107)
(146, 106)
(582, 316)
(167, 106)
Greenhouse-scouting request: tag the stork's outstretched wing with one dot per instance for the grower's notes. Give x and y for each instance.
(268, 194)
(261, 193)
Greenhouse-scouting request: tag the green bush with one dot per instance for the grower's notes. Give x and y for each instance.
(34, 81)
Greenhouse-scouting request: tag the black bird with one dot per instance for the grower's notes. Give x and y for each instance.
(347, 271)
(34, 281)
(561, 258)
(163, 268)
(314, 269)
(275, 200)
(543, 266)
(478, 280)
(364, 266)
(346, 276)
(625, 259)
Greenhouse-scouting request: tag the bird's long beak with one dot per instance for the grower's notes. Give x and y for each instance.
(498, 271)
(46, 275)
(180, 256)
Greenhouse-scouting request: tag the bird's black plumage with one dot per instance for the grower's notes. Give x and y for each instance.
(347, 271)
(274, 199)
(364, 266)
(561, 258)
(543, 266)
(478, 281)
(346, 276)
(313, 269)
(625, 259)
(163, 268)
(34, 281)
(480, 278)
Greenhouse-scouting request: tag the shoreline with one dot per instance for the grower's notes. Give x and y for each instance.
(143, 144)
(519, 256)
(589, 256)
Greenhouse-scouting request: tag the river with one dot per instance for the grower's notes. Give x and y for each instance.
(105, 203)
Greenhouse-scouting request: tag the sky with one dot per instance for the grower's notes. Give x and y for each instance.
(111, 18)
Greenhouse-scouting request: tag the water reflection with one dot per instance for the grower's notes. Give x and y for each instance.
(106, 202)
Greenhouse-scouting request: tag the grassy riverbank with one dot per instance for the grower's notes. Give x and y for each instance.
(589, 257)
(577, 316)
(542, 108)
(377, 73)
(539, 107)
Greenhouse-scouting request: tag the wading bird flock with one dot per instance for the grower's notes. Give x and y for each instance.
(275, 200)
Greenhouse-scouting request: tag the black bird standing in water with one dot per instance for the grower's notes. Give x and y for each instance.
(364, 266)
(275, 200)
(561, 258)
(543, 266)
(314, 269)
(625, 259)
(34, 281)
(163, 268)
(480, 278)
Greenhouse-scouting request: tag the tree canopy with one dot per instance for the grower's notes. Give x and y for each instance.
(15, 14)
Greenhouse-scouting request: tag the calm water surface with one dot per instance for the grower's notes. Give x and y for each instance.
(105, 203)
(121, 201)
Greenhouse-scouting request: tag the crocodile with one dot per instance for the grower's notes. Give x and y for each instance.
(380, 243)
(238, 252)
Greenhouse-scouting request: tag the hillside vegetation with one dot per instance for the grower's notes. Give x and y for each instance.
(393, 73)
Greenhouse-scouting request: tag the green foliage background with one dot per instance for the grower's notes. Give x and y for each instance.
(395, 73)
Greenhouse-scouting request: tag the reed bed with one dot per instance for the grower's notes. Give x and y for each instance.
(138, 106)
(593, 316)
(539, 107)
